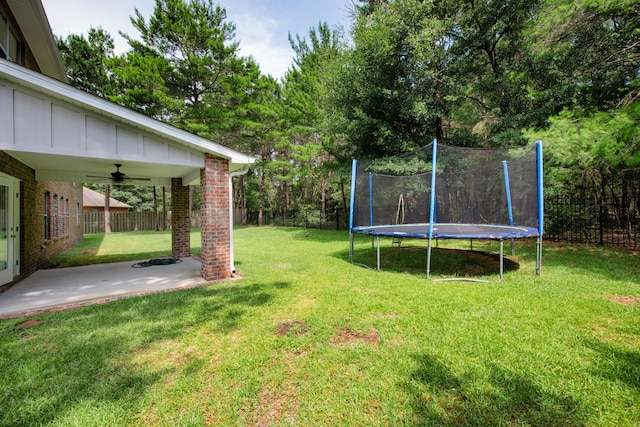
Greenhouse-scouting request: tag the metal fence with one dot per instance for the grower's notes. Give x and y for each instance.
(334, 219)
(610, 222)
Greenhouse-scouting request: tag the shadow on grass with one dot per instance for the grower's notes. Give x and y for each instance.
(65, 360)
(615, 363)
(317, 235)
(446, 262)
(440, 397)
(609, 263)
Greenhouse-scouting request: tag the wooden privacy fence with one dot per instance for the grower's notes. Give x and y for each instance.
(132, 221)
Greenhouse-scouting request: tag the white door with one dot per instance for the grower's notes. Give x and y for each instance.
(9, 229)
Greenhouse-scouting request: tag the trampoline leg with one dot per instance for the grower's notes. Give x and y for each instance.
(350, 247)
(539, 256)
(513, 247)
(501, 258)
(378, 253)
(429, 259)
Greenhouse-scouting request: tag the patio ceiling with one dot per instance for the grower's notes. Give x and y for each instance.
(50, 167)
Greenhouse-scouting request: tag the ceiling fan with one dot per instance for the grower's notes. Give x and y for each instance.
(118, 177)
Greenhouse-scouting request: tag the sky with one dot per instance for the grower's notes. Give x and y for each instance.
(262, 26)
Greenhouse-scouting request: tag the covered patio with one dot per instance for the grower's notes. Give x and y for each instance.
(66, 135)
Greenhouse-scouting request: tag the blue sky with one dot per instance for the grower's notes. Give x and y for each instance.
(262, 27)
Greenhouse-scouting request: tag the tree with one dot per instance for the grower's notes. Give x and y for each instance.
(589, 154)
(595, 46)
(197, 45)
(107, 209)
(142, 79)
(489, 56)
(261, 130)
(304, 107)
(86, 60)
(391, 95)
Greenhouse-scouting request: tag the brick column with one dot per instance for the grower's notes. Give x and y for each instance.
(180, 221)
(214, 211)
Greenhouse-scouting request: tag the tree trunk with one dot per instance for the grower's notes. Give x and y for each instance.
(155, 208)
(323, 200)
(245, 218)
(261, 200)
(107, 211)
(164, 208)
(345, 205)
(241, 199)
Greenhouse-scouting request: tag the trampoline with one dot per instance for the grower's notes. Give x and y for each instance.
(454, 193)
(450, 231)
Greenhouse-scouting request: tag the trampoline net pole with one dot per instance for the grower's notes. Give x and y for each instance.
(432, 203)
(429, 258)
(352, 198)
(540, 185)
(507, 187)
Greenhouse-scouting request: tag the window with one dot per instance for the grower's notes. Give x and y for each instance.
(56, 216)
(47, 216)
(67, 217)
(10, 43)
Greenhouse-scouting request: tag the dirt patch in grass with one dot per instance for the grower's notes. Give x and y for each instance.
(347, 336)
(276, 406)
(29, 324)
(624, 299)
(292, 328)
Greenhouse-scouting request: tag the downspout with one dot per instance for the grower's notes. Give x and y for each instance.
(231, 176)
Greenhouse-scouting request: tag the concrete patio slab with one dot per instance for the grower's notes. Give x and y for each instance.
(64, 288)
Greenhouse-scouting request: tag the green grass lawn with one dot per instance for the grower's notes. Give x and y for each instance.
(306, 338)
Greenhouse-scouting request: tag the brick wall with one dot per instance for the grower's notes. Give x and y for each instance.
(180, 220)
(34, 250)
(214, 218)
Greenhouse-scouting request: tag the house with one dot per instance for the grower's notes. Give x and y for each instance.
(92, 201)
(53, 136)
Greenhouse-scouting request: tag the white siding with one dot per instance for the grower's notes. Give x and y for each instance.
(31, 122)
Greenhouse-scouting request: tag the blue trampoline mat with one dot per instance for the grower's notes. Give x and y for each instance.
(450, 231)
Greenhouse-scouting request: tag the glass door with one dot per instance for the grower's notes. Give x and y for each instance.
(9, 236)
(4, 227)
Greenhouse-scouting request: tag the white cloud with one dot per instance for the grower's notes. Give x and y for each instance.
(261, 42)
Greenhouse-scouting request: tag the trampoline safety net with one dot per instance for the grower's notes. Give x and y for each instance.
(469, 186)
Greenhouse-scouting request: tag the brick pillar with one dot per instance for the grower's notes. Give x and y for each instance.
(214, 211)
(180, 221)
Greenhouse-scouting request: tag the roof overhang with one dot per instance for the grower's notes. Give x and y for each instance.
(61, 96)
(36, 30)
